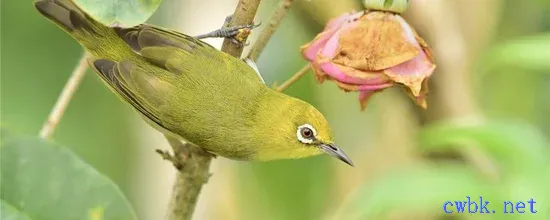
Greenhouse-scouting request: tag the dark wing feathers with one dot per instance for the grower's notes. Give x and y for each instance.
(119, 77)
(150, 37)
(56, 12)
(129, 35)
(143, 36)
(159, 46)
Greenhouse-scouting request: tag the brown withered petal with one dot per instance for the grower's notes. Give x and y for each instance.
(376, 42)
(421, 99)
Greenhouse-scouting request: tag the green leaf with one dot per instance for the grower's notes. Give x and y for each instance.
(119, 13)
(529, 52)
(515, 146)
(8, 212)
(47, 181)
(424, 188)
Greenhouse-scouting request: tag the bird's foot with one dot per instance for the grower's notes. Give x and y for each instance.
(237, 34)
(166, 155)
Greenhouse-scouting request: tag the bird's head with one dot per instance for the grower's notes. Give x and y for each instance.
(301, 131)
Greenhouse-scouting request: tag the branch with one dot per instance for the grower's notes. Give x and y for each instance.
(274, 22)
(294, 78)
(192, 161)
(64, 98)
(244, 14)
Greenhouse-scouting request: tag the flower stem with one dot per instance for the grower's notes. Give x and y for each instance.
(266, 34)
(64, 98)
(194, 161)
(294, 78)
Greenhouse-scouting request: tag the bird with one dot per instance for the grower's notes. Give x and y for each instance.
(188, 89)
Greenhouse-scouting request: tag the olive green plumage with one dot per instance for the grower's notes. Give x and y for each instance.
(185, 87)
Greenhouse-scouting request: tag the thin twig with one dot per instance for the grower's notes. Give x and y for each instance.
(193, 161)
(294, 78)
(64, 98)
(266, 34)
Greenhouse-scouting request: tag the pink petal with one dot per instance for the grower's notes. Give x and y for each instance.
(364, 97)
(364, 94)
(347, 17)
(311, 50)
(364, 88)
(408, 32)
(338, 72)
(411, 73)
(419, 66)
(337, 22)
(331, 44)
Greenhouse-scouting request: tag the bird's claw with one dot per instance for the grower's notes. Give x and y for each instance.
(241, 44)
(166, 155)
(226, 21)
(237, 34)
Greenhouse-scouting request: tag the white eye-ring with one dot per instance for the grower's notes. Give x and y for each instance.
(306, 133)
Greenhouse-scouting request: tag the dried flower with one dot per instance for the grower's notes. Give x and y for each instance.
(369, 51)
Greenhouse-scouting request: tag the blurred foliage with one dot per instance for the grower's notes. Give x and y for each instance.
(418, 188)
(520, 151)
(42, 180)
(518, 89)
(530, 53)
(121, 13)
(36, 61)
(8, 212)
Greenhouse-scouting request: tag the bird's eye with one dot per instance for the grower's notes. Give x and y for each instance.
(306, 134)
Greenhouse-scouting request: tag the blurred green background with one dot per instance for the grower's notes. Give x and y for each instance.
(493, 62)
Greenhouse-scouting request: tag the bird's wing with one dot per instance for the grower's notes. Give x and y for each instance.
(179, 53)
(137, 86)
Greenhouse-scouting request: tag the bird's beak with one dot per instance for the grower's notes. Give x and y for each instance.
(334, 151)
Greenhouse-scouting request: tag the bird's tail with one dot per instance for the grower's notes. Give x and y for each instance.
(65, 14)
(88, 32)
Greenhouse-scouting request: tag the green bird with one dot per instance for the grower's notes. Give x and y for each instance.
(188, 89)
